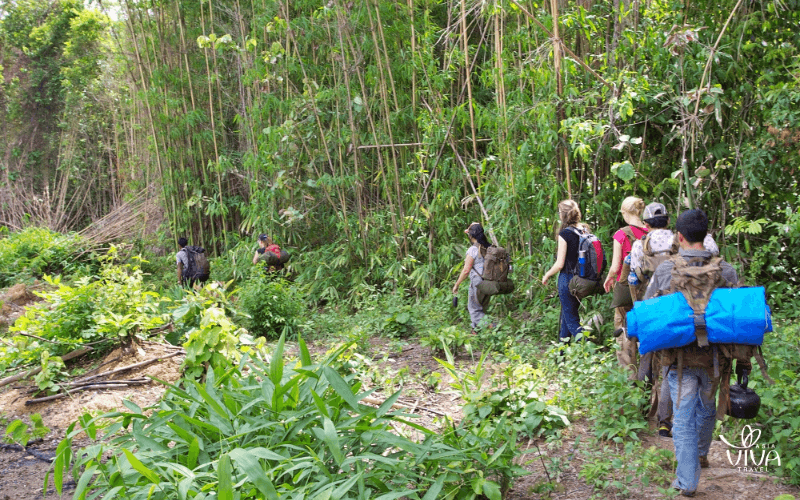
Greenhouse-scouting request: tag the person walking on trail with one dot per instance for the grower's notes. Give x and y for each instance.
(265, 244)
(692, 386)
(621, 302)
(473, 267)
(565, 265)
(658, 245)
(192, 264)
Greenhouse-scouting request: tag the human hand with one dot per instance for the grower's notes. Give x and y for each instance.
(609, 283)
(455, 289)
(545, 279)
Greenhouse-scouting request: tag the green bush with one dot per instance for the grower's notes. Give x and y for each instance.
(114, 307)
(274, 307)
(33, 252)
(264, 430)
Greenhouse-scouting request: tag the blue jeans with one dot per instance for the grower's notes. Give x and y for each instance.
(692, 422)
(570, 323)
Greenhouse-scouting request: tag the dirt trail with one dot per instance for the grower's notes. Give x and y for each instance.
(21, 473)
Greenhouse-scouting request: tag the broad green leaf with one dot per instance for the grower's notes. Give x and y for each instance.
(492, 490)
(341, 387)
(140, 467)
(387, 405)
(225, 478)
(433, 491)
(332, 440)
(194, 451)
(276, 364)
(83, 482)
(246, 462)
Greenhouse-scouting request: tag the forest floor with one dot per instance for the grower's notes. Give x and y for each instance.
(22, 474)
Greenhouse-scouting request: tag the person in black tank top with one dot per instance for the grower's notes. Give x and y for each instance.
(566, 262)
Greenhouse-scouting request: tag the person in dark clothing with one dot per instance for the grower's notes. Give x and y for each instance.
(565, 265)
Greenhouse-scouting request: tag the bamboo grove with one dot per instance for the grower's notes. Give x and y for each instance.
(372, 132)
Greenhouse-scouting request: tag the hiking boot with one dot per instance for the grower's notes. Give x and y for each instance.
(665, 430)
(704, 462)
(685, 493)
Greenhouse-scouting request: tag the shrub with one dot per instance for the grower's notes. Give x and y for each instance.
(33, 252)
(273, 305)
(263, 430)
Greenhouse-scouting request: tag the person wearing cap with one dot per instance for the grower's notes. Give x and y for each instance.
(695, 373)
(265, 244)
(621, 303)
(661, 243)
(473, 267)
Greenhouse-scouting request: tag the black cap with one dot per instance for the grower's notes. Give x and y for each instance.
(263, 237)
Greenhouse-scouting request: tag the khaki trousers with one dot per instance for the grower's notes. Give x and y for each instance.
(628, 353)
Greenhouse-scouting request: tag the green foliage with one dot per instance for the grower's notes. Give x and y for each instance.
(53, 371)
(115, 307)
(449, 338)
(263, 430)
(618, 406)
(777, 418)
(21, 433)
(214, 344)
(34, 252)
(274, 306)
(627, 471)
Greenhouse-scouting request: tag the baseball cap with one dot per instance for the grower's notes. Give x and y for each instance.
(654, 210)
(262, 237)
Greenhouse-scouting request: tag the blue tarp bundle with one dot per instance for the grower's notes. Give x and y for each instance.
(733, 315)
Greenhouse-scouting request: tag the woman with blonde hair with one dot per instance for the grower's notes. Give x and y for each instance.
(624, 239)
(568, 240)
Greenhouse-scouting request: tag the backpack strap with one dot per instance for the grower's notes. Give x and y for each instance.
(629, 233)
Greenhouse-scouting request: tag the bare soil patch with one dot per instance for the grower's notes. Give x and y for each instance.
(21, 473)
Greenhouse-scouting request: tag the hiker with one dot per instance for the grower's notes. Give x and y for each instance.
(192, 264)
(265, 244)
(621, 302)
(658, 245)
(473, 267)
(692, 386)
(565, 265)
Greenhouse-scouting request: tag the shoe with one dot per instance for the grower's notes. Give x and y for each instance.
(704, 462)
(686, 493)
(665, 430)
(618, 332)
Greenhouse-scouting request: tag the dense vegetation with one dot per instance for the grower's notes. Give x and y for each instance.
(368, 134)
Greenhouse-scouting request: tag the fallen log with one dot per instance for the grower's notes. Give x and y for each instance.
(66, 357)
(79, 389)
(130, 367)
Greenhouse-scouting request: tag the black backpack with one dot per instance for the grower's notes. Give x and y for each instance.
(199, 267)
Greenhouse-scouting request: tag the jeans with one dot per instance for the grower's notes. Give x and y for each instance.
(476, 301)
(692, 422)
(570, 323)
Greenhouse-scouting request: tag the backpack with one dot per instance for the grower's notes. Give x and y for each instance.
(496, 266)
(595, 256)
(650, 262)
(696, 278)
(199, 267)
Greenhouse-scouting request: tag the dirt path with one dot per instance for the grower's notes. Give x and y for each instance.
(392, 365)
(22, 474)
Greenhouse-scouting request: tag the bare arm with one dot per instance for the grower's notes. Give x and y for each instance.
(616, 260)
(561, 257)
(464, 273)
(255, 257)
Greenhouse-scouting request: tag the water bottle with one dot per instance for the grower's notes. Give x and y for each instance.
(582, 262)
(633, 279)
